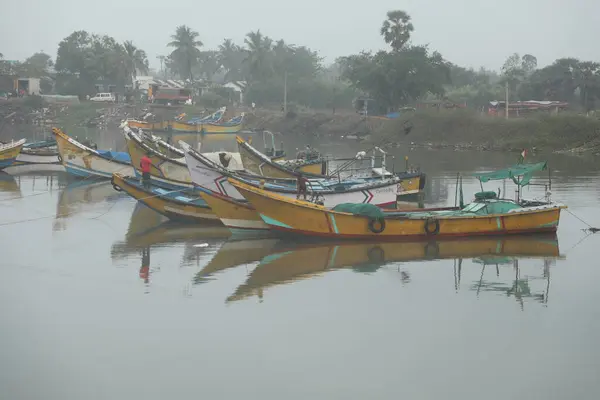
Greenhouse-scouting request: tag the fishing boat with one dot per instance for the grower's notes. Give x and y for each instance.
(291, 262)
(175, 205)
(260, 164)
(211, 124)
(167, 172)
(9, 152)
(381, 191)
(84, 162)
(488, 214)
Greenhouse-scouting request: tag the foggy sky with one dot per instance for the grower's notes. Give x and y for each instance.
(467, 32)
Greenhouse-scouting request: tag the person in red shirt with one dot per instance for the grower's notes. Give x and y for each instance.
(145, 165)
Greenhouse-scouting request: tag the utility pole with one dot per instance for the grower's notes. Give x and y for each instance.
(285, 93)
(506, 100)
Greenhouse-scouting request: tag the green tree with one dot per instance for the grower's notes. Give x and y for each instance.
(396, 29)
(231, 58)
(258, 56)
(135, 60)
(187, 53)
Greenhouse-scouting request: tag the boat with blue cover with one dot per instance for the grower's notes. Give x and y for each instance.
(84, 162)
(175, 205)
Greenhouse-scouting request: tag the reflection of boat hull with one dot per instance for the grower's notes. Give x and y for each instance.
(238, 252)
(176, 208)
(83, 162)
(234, 214)
(23, 169)
(9, 153)
(290, 262)
(298, 217)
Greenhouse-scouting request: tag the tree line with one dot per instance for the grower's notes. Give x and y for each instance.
(401, 76)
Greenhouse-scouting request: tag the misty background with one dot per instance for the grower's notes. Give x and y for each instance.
(469, 33)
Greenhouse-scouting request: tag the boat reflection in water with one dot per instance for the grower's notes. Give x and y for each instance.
(82, 196)
(9, 188)
(519, 287)
(289, 262)
(149, 230)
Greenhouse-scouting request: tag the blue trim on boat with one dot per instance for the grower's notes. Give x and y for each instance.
(271, 221)
(84, 172)
(7, 163)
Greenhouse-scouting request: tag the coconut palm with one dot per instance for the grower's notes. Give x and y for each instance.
(396, 29)
(231, 57)
(186, 53)
(258, 57)
(135, 60)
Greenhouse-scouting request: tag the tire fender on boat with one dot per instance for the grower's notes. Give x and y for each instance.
(374, 221)
(112, 182)
(428, 226)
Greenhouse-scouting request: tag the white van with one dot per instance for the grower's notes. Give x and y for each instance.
(108, 97)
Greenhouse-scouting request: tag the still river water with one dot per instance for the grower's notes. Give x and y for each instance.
(99, 299)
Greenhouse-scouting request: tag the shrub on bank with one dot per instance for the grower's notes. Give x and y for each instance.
(452, 127)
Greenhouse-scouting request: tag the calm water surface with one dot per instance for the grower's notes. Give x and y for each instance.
(101, 299)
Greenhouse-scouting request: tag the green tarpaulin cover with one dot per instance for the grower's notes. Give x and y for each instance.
(520, 174)
(366, 210)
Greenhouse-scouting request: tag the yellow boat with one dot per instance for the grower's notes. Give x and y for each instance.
(291, 262)
(257, 163)
(487, 215)
(234, 214)
(172, 204)
(84, 162)
(9, 152)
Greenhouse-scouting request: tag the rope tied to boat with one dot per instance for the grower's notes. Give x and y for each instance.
(590, 228)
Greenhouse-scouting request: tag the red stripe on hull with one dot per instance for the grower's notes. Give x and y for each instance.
(414, 237)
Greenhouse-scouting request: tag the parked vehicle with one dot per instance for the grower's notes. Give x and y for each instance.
(104, 97)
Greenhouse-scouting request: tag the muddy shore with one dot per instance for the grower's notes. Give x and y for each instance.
(458, 130)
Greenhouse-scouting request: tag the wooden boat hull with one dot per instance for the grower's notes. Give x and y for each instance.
(292, 261)
(9, 153)
(300, 217)
(234, 214)
(29, 158)
(261, 165)
(174, 210)
(83, 162)
(165, 171)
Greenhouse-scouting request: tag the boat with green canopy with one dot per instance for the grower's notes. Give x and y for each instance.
(487, 214)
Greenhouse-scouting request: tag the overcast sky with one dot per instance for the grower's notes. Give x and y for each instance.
(467, 32)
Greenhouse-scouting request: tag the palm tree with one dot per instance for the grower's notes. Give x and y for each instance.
(186, 53)
(396, 29)
(231, 57)
(257, 55)
(135, 60)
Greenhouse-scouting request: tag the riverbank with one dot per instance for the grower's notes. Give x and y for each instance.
(461, 130)
(456, 129)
